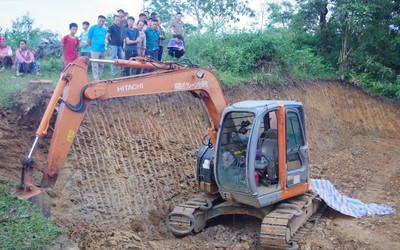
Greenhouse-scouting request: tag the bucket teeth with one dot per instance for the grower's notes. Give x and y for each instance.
(43, 201)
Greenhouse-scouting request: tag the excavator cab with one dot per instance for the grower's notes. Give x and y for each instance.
(248, 168)
(259, 167)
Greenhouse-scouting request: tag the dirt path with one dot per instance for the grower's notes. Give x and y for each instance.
(134, 159)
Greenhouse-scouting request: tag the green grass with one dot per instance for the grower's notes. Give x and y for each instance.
(51, 70)
(229, 80)
(22, 225)
(10, 84)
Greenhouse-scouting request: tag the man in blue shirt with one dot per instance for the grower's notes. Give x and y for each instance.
(152, 37)
(132, 38)
(96, 39)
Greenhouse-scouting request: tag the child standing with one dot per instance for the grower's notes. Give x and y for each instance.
(85, 48)
(70, 44)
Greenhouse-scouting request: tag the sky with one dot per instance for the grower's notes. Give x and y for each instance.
(56, 15)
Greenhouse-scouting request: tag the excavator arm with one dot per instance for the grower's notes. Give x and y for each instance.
(74, 92)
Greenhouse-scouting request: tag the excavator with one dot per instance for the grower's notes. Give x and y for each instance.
(253, 160)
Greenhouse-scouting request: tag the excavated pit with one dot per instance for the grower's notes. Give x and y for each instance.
(133, 159)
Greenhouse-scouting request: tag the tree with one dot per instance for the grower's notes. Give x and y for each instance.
(166, 9)
(280, 14)
(312, 14)
(209, 14)
(357, 32)
(22, 28)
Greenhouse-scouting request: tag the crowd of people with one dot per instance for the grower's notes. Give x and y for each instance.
(23, 62)
(126, 38)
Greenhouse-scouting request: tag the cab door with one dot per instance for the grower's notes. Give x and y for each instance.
(231, 160)
(296, 147)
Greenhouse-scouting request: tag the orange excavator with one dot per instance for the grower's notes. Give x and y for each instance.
(254, 160)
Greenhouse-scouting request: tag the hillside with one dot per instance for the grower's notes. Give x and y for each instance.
(134, 159)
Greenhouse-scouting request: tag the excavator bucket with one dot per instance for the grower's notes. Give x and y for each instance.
(29, 191)
(38, 197)
(43, 202)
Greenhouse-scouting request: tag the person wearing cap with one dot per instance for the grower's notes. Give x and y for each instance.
(176, 46)
(6, 54)
(153, 15)
(123, 23)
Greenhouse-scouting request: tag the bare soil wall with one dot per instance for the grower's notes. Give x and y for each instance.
(134, 159)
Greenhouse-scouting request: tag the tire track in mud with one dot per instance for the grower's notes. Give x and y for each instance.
(136, 162)
(134, 158)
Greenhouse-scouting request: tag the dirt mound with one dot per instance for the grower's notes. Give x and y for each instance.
(29, 105)
(18, 123)
(134, 159)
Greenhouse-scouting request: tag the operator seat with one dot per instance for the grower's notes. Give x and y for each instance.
(269, 151)
(261, 139)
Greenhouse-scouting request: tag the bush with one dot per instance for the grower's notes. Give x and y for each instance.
(384, 87)
(51, 65)
(304, 63)
(271, 55)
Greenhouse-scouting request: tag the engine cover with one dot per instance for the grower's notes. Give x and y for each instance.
(205, 170)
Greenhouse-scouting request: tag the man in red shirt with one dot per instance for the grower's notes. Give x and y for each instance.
(70, 44)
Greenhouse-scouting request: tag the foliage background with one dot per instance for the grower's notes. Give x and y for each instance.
(357, 41)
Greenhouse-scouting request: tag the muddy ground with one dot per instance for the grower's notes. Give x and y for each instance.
(134, 159)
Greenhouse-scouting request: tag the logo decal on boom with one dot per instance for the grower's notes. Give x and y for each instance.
(70, 135)
(191, 85)
(130, 87)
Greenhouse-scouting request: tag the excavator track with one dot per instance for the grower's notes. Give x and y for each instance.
(311, 222)
(188, 216)
(282, 225)
(290, 221)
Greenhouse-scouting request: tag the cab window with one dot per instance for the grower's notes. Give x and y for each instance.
(233, 141)
(294, 140)
(294, 134)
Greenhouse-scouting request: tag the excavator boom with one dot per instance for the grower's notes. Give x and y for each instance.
(74, 92)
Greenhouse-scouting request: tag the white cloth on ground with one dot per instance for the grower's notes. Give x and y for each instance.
(344, 204)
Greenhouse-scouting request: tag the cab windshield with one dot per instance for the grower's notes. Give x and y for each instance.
(232, 150)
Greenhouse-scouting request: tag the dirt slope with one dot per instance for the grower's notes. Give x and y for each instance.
(134, 159)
